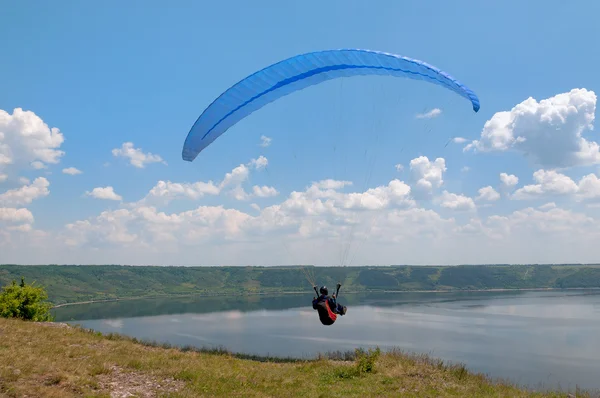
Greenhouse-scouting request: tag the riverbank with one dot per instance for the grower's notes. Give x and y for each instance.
(51, 360)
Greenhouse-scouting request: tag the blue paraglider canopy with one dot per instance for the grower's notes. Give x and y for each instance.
(299, 72)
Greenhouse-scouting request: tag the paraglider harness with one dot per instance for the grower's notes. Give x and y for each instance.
(323, 304)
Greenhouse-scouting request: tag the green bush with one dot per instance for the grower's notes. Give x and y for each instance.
(365, 360)
(364, 363)
(25, 301)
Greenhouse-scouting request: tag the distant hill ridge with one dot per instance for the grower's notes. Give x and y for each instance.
(75, 283)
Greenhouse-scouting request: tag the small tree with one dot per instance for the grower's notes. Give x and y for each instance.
(25, 301)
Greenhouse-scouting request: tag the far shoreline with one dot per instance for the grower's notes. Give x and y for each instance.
(306, 292)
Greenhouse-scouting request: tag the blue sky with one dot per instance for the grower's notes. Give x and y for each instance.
(124, 82)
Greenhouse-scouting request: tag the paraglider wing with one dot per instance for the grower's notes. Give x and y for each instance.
(299, 72)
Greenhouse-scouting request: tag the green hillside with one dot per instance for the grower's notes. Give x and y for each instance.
(74, 283)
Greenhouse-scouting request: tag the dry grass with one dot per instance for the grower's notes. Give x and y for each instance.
(41, 361)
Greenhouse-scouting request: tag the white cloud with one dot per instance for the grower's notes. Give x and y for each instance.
(465, 169)
(107, 193)
(395, 193)
(136, 157)
(3, 177)
(72, 171)
(331, 184)
(25, 194)
(399, 167)
(109, 228)
(429, 175)
(383, 222)
(165, 191)
(459, 140)
(552, 183)
(552, 221)
(550, 132)
(331, 214)
(20, 228)
(265, 141)
(26, 141)
(37, 165)
(14, 215)
(488, 193)
(235, 177)
(509, 180)
(548, 183)
(588, 187)
(145, 227)
(264, 191)
(381, 225)
(259, 163)
(457, 202)
(430, 115)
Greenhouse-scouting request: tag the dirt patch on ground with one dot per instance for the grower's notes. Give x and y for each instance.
(122, 384)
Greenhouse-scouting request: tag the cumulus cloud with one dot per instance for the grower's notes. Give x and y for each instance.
(321, 221)
(509, 180)
(330, 211)
(235, 177)
(27, 142)
(110, 227)
(548, 183)
(316, 219)
(145, 227)
(456, 202)
(588, 187)
(324, 197)
(553, 183)
(330, 184)
(430, 115)
(264, 191)
(25, 194)
(265, 141)
(239, 175)
(459, 140)
(37, 165)
(166, 191)
(72, 171)
(552, 220)
(136, 156)
(3, 177)
(396, 193)
(14, 215)
(106, 193)
(550, 132)
(259, 163)
(427, 174)
(488, 193)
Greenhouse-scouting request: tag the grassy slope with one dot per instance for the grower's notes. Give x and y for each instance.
(80, 283)
(45, 361)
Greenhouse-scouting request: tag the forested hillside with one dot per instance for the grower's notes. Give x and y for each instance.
(73, 283)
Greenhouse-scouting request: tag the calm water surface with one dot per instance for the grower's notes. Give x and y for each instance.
(548, 339)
